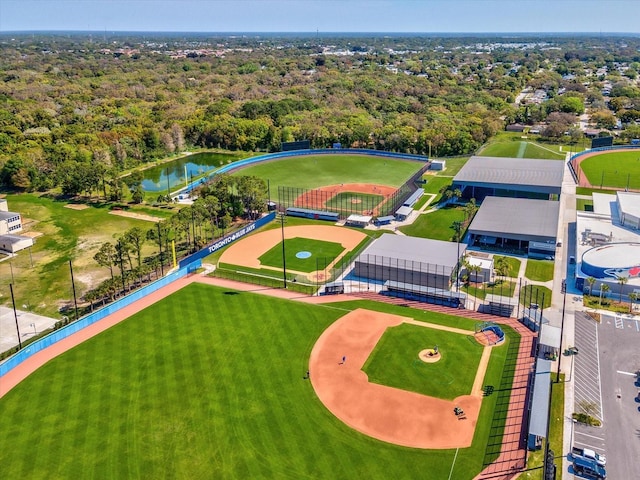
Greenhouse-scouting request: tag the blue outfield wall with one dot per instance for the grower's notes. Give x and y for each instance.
(68, 330)
(223, 242)
(300, 153)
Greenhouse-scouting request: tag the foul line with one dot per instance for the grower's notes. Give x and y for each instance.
(454, 463)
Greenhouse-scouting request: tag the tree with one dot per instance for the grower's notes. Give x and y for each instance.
(105, 257)
(501, 266)
(604, 288)
(633, 297)
(622, 281)
(591, 281)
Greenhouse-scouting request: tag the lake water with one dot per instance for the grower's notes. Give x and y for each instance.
(171, 176)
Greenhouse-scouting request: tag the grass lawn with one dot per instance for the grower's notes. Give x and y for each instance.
(67, 234)
(514, 265)
(535, 294)
(436, 225)
(436, 183)
(327, 251)
(453, 165)
(354, 202)
(521, 149)
(616, 169)
(208, 384)
(394, 362)
(539, 270)
(502, 288)
(315, 171)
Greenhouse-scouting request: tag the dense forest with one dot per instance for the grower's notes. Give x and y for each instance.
(78, 110)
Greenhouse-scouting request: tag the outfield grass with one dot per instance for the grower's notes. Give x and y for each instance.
(313, 171)
(208, 384)
(67, 235)
(453, 165)
(436, 225)
(539, 270)
(394, 361)
(616, 169)
(327, 251)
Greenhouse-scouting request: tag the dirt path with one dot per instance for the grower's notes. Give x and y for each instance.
(388, 414)
(247, 251)
(138, 216)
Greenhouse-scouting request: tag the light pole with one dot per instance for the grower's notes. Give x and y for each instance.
(564, 302)
(15, 314)
(284, 261)
(73, 285)
(600, 303)
(457, 226)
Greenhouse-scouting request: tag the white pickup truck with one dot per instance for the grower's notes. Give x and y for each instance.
(588, 453)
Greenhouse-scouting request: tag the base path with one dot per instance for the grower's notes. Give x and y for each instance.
(385, 413)
(247, 251)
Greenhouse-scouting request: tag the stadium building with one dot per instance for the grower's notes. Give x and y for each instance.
(517, 224)
(510, 177)
(410, 260)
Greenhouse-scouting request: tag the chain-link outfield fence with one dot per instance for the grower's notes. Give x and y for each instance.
(350, 199)
(602, 176)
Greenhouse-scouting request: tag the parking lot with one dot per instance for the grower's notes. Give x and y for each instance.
(605, 383)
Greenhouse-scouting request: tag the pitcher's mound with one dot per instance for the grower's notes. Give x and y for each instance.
(429, 355)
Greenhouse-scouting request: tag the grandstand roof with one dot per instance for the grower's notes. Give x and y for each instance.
(517, 219)
(629, 203)
(540, 401)
(542, 175)
(435, 252)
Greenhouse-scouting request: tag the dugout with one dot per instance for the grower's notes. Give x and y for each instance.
(334, 288)
(539, 404)
(420, 293)
(313, 214)
(415, 196)
(499, 305)
(358, 220)
(386, 220)
(410, 260)
(403, 213)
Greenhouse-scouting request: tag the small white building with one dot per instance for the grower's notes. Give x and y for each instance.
(629, 209)
(438, 165)
(14, 243)
(481, 275)
(10, 222)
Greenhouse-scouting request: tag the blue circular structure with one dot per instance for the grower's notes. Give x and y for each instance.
(612, 260)
(303, 254)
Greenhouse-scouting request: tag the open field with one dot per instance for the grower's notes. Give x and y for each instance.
(502, 288)
(67, 234)
(436, 225)
(521, 149)
(536, 294)
(315, 171)
(514, 265)
(205, 396)
(615, 169)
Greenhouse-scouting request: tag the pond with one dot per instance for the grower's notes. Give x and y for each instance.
(171, 176)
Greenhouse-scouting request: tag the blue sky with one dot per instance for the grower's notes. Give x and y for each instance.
(324, 15)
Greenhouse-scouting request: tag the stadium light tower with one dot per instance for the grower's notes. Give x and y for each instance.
(284, 261)
(457, 226)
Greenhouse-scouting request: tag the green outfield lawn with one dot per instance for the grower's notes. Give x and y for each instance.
(315, 171)
(453, 165)
(616, 169)
(207, 383)
(326, 251)
(354, 202)
(395, 363)
(539, 270)
(436, 225)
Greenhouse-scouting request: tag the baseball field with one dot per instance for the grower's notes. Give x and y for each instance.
(209, 383)
(618, 169)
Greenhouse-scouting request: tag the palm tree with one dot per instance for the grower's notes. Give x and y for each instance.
(604, 288)
(501, 266)
(633, 297)
(622, 281)
(591, 281)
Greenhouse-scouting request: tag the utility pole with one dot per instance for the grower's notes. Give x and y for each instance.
(160, 247)
(73, 285)
(15, 314)
(284, 261)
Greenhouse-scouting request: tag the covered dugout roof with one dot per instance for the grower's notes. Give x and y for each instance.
(540, 402)
(415, 249)
(524, 174)
(517, 219)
